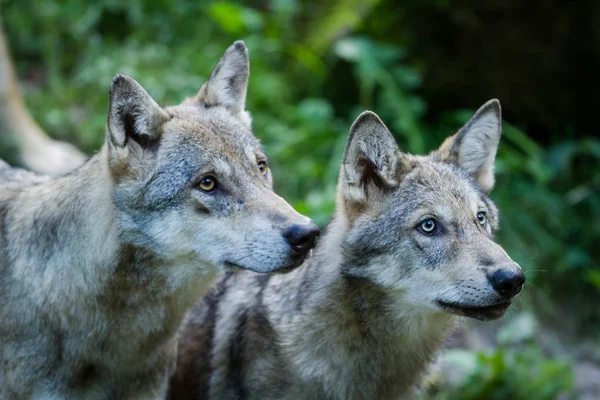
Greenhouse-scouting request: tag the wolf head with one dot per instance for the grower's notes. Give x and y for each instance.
(422, 227)
(191, 182)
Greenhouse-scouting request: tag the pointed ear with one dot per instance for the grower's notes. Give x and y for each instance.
(228, 83)
(371, 160)
(133, 114)
(474, 146)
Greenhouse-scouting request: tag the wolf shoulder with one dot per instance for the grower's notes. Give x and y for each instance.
(12, 180)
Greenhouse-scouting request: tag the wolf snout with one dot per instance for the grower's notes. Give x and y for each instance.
(302, 238)
(507, 282)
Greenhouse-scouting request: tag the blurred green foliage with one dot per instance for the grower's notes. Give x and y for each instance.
(509, 374)
(517, 369)
(314, 67)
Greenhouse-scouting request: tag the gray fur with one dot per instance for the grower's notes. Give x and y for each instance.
(364, 317)
(98, 267)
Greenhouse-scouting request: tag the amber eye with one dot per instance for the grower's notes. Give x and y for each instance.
(262, 166)
(482, 218)
(208, 184)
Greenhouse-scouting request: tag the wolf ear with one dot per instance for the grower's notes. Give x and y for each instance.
(228, 83)
(133, 114)
(474, 146)
(371, 159)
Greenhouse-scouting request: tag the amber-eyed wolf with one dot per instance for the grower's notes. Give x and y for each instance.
(410, 247)
(97, 268)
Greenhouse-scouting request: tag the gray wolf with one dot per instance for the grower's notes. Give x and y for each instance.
(410, 248)
(97, 268)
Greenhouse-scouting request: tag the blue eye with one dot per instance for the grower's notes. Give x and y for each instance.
(428, 226)
(482, 218)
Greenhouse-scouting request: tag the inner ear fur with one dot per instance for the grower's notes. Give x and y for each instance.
(474, 146)
(228, 83)
(371, 165)
(133, 114)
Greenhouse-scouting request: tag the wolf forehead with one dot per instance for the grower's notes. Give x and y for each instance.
(431, 185)
(209, 130)
(428, 188)
(195, 144)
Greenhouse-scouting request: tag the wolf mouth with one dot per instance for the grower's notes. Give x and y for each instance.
(283, 269)
(474, 311)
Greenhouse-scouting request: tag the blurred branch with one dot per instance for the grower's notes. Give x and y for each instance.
(36, 150)
(583, 191)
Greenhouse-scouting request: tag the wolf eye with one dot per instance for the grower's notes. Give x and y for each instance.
(428, 226)
(208, 184)
(262, 166)
(482, 218)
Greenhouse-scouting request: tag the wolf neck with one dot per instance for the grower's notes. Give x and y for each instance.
(73, 234)
(386, 346)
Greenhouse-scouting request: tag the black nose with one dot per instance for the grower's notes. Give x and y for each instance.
(302, 237)
(507, 283)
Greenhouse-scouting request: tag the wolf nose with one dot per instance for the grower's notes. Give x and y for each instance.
(507, 283)
(302, 237)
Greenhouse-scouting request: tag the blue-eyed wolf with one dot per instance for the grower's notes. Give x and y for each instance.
(410, 247)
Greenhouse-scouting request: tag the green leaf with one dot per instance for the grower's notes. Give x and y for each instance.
(228, 16)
